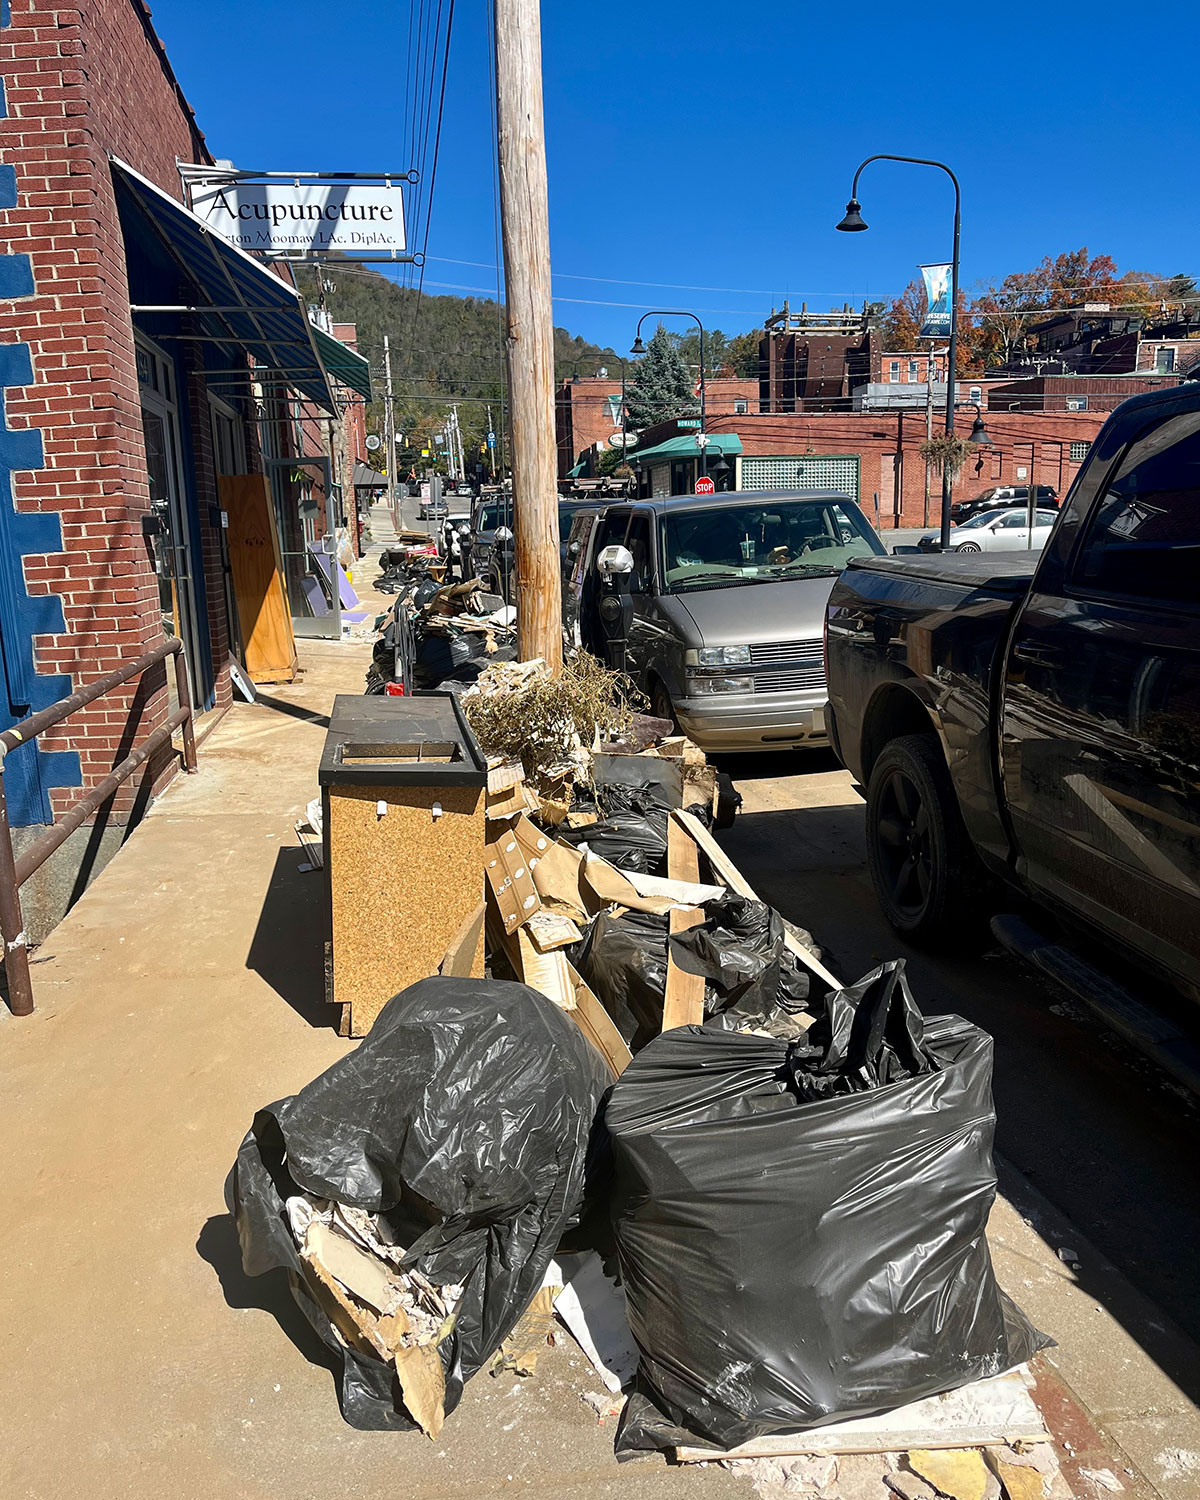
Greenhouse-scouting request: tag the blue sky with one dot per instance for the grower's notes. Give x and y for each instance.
(710, 147)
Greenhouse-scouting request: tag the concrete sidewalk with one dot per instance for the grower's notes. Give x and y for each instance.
(182, 992)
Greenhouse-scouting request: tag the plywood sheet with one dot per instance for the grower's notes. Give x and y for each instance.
(264, 613)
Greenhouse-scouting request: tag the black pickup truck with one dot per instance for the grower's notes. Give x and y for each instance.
(1035, 720)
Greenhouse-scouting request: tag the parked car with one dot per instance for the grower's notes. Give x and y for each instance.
(493, 512)
(724, 598)
(431, 509)
(1000, 497)
(995, 531)
(1034, 720)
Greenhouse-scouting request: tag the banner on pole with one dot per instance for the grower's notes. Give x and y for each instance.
(937, 292)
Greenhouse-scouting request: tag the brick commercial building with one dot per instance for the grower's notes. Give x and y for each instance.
(872, 456)
(120, 410)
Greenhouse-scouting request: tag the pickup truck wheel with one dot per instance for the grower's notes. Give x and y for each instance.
(923, 868)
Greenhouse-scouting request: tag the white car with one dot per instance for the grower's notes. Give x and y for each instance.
(1002, 531)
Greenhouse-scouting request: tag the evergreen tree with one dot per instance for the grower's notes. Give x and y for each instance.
(662, 386)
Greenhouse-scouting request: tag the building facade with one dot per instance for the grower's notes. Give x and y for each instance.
(124, 402)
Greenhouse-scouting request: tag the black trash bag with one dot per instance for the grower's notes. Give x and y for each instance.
(632, 831)
(623, 960)
(790, 1261)
(750, 977)
(441, 656)
(468, 1119)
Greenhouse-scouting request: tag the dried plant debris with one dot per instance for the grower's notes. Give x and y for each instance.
(550, 723)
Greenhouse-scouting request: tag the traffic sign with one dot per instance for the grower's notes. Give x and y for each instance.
(705, 486)
(687, 422)
(491, 439)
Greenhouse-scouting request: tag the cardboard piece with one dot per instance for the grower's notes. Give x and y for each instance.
(509, 877)
(639, 892)
(550, 930)
(593, 1308)
(558, 877)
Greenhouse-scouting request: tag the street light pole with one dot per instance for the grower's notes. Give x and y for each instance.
(852, 222)
(639, 348)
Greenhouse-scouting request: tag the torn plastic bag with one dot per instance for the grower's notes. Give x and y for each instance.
(464, 1119)
(749, 974)
(750, 978)
(793, 1260)
(632, 831)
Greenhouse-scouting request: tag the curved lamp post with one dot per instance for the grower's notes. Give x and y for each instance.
(640, 348)
(853, 223)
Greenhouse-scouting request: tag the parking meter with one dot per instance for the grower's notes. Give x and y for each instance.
(615, 602)
(504, 553)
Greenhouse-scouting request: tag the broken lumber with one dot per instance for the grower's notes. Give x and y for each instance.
(683, 1000)
(725, 868)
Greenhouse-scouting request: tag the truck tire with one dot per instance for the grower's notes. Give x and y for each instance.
(660, 703)
(926, 875)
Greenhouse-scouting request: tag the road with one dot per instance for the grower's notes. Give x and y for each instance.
(1108, 1140)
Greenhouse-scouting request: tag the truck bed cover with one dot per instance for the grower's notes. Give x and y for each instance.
(1004, 574)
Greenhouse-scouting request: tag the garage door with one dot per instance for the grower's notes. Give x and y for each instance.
(808, 471)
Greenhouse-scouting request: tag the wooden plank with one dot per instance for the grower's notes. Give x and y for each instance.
(463, 959)
(683, 855)
(986, 1412)
(264, 613)
(725, 868)
(683, 1000)
(546, 972)
(598, 1026)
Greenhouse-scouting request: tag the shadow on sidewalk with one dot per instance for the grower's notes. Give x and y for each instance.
(218, 1245)
(288, 948)
(293, 710)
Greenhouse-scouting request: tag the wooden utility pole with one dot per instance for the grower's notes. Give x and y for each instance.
(525, 223)
(389, 433)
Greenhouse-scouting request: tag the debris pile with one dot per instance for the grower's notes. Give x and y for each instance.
(795, 1174)
(440, 633)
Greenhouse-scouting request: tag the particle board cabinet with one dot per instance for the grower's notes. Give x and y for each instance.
(403, 786)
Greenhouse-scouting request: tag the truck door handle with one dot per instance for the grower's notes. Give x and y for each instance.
(1041, 656)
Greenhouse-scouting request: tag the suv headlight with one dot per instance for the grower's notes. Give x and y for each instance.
(720, 656)
(703, 682)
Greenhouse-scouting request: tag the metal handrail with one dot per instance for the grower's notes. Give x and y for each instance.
(15, 872)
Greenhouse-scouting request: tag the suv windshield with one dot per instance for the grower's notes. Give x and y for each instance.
(777, 539)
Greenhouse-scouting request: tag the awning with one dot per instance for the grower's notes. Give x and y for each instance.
(233, 296)
(345, 365)
(367, 478)
(577, 471)
(724, 443)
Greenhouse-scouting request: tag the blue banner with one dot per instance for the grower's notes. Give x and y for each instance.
(937, 292)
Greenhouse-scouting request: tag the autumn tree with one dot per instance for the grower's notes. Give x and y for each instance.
(901, 324)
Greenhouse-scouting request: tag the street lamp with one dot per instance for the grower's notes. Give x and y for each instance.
(640, 348)
(854, 223)
(979, 433)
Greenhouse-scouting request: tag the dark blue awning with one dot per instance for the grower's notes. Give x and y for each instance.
(233, 297)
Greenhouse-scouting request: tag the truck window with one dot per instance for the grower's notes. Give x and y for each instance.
(1144, 537)
(638, 542)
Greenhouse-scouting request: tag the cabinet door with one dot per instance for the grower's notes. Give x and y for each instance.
(1100, 744)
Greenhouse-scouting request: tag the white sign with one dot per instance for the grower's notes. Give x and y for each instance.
(304, 218)
(372, 441)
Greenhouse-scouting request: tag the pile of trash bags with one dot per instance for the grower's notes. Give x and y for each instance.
(798, 1188)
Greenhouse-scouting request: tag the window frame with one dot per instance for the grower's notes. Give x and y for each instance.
(1074, 585)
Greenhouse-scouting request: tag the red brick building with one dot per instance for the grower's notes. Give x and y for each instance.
(873, 456)
(120, 409)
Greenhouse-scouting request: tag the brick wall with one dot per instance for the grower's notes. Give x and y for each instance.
(583, 415)
(888, 443)
(83, 82)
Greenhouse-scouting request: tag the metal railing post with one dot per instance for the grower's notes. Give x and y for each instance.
(184, 694)
(12, 925)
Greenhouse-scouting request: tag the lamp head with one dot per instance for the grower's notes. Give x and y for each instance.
(854, 219)
(638, 346)
(979, 433)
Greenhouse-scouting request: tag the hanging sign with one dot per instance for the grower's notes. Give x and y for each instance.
(937, 292)
(304, 218)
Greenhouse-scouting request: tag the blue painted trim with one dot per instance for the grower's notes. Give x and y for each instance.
(29, 773)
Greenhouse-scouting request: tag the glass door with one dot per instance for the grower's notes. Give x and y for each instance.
(170, 537)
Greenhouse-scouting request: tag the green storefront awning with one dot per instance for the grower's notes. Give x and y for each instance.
(577, 471)
(343, 364)
(724, 443)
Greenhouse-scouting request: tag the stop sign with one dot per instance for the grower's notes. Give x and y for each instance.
(705, 486)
